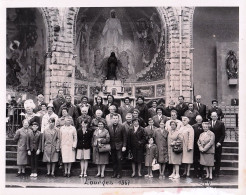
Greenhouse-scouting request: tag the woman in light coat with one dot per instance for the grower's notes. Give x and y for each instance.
(100, 136)
(174, 137)
(50, 114)
(188, 145)
(21, 139)
(68, 139)
(51, 146)
(206, 144)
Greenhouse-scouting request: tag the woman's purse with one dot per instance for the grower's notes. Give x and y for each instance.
(129, 156)
(104, 148)
(177, 148)
(155, 165)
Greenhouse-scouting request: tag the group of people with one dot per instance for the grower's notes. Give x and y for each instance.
(173, 136)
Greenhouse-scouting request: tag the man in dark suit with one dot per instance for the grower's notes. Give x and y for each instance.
(215, 108)
(152, 111)
(58, 101)
(169, 108)
(201, 108)
(181, 107)
(196, 155)
(118, 140)
(218, 128)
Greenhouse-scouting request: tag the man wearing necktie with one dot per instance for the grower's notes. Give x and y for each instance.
(118, 140)
(181, 107)
(218, 128)
(150, 129)
(201, 108)
(215, 108)
(109, 117)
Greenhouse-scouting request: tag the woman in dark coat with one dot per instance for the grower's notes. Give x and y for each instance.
(21, 139)
(136, 143)
(99, 106)
(84, 136)
(143, 108)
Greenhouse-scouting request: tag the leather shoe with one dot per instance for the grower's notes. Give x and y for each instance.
(119, 176)
(114, 176)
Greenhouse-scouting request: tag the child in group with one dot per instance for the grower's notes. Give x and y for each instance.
(34, 141)
(151, 154)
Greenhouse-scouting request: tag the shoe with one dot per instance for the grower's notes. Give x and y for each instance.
(119, 176)
(53, 175)
(47, 174)
(176, 177)
(210, 178)
(184, 175)
(64, 174)
(32, 175)
(150, 176)
(160, 177)
(146, 175)
(97, 175)
(114, 176)
(171, 176)
(133, 175)
(18, 174)
(68, 175)
(85, 175)
(139, 175)
(102, 176)
(35, 174)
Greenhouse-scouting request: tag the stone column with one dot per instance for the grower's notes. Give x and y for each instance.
(47, 77)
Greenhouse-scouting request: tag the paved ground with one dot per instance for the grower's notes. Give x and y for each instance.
(124, 182)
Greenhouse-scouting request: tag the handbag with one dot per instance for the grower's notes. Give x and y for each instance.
(104, 148)
(155, 165)
(129, 156)
(177, 148)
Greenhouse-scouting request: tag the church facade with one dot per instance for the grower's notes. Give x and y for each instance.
(69, 48)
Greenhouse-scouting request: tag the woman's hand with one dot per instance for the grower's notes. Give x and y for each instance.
(57, 150)
(29, 152)
(38, 152)
(73, 148)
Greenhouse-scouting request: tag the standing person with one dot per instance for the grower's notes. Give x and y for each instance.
(159, 117)
(175, 137)
(215, 108)
(152, 111)
(174, 116)
(181, 107)
(34, 144)
(169, 108)
(68, 139)
(143, 108)
(128, 123)
(191, 113)
(58, 101)
(161, 139)
(72, 110)
(95, 121)
(109, 117)
(39, 103)
(206, 144)
(84, 135)
(201, 108)
(51, 146)
(118, 141)
(150, 129)
(84, 104)
(61, 121)
(99, 106)
(135, 115)
(126, 108)
(50, 114)
(151, 154)
(83, 117)
(42, 112)
(21, 139)
(100, 136)
(111, 101)
(218, 128)
(136, 143)
(30, 115)
(198, 169)
(188, 145)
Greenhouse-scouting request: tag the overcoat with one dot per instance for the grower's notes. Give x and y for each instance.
(174, 137)
(45, 121)
(34, 142)
(157, 120)
(188, 143)
(151, 153)
(123, 110)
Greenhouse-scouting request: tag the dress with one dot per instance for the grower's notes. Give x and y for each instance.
(68, 136)
(161, 140)
(206, 142)
(50, 143)
(174, 137)
(21, 138)
(188, 143)
(143, 111)
(103, 157)
(151, 153)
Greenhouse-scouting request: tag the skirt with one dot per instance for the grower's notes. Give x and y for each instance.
(83, 154)
(22, 157)
(207, 159)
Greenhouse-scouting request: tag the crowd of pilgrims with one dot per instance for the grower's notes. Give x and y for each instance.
(62, 132)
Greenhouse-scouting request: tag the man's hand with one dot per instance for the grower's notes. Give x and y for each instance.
(218, 144)
(29, 152)
(38, 152)
(123, 149)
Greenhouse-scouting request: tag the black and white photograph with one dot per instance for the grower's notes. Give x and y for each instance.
(127, 97)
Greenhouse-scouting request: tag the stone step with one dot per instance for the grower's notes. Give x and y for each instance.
(230, 150)
(230, 144)
(229, 163)
(10, 142)
(11, 148)
(229, 156)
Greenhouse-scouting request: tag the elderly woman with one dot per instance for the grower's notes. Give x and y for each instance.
(47, 116)
(161, 139)
(21, 139)
(174, 115)
(84, 104)
(159, 117)
(143, 108)
(83, 117)
(94, 122)
(68, 139)
(61, 121)
(174, 138)
(191, 113)
(188, 145)
(99, 106)
(109, 117)
(136, 143)
(100, 136)
(84, 135)
(206, 144)
(126, 108)
(135, 115)
(30, 115)
(42, 112)
(51, 146)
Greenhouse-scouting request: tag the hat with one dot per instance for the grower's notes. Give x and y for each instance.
(35, 123)
(12, 96)
(135, 119)
(214, 101)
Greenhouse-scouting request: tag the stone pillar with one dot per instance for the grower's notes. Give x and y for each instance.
(47, 77)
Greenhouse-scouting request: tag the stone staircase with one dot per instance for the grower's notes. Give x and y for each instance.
(229, 162)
